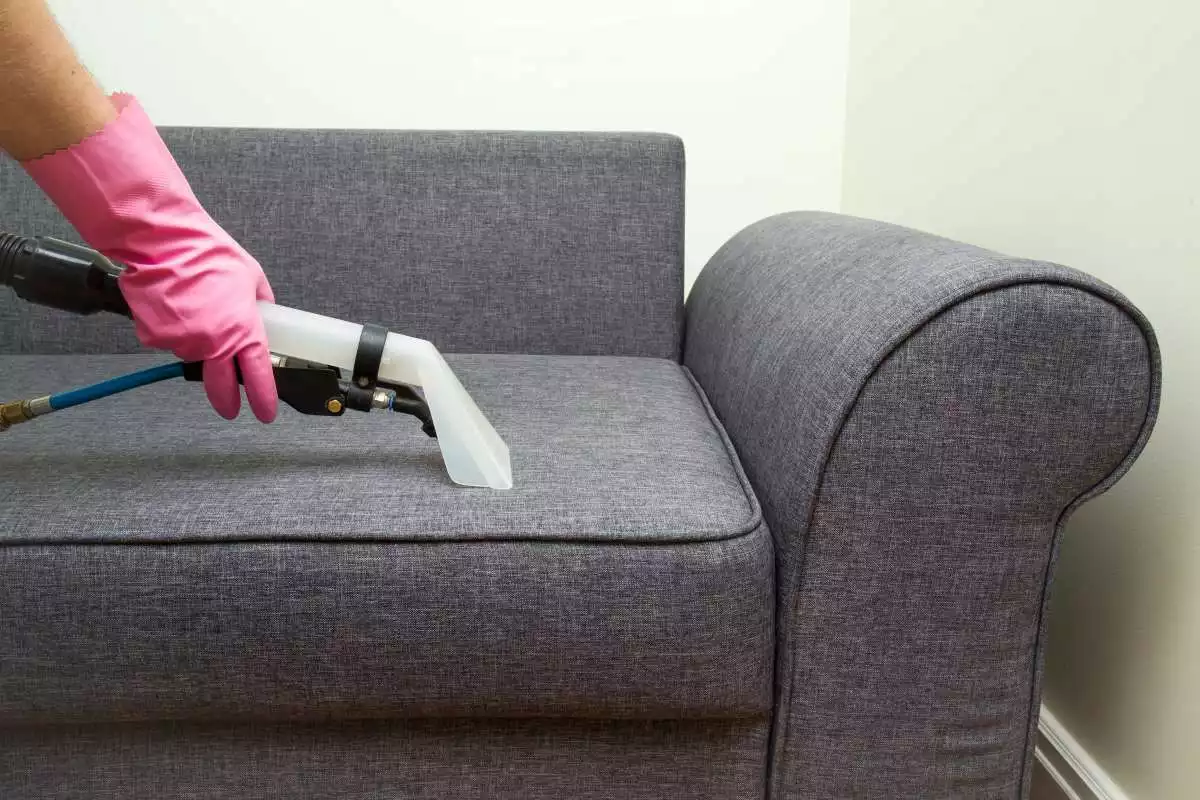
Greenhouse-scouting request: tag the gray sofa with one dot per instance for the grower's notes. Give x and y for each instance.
(792, 540)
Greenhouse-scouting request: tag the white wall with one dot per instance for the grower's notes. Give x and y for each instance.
(1070, 131)
(756, 88)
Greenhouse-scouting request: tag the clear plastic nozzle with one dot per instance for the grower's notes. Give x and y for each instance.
(473, 452)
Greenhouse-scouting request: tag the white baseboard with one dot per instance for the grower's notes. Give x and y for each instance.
(1071, 767)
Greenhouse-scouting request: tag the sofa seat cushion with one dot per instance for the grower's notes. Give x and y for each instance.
(157, 562)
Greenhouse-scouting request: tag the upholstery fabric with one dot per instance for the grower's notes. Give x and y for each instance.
(604, 449)
(157, 562)
(918, 417)
(563, 243)
(415, 760)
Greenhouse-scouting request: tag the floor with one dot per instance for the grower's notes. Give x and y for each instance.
(1044, 787)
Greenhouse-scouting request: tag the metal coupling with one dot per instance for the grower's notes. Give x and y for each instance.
(19, 411)
(14, 413)
(382, 399)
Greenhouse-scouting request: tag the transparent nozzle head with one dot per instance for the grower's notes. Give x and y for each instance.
(472, 450)
(474, 453)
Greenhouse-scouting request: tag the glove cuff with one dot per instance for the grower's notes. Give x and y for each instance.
(117, 184)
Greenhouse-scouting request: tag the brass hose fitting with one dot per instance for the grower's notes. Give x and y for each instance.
(13, 413)
(19, 411)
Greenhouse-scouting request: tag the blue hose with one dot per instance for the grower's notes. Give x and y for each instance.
(123, 383)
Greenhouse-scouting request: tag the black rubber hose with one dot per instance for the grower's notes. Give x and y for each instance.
(61, 275)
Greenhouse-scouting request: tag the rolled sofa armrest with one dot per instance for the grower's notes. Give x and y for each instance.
(918, 418)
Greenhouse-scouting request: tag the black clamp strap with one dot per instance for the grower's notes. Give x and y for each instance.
(366, 367)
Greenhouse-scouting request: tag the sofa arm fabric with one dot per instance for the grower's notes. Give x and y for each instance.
(918, 417)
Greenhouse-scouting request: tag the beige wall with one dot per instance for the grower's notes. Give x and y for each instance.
(1070, 131)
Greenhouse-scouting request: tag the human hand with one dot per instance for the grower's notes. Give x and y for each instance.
(192, 289)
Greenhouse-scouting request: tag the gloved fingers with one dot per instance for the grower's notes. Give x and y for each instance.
(259, 380)
(221, 386)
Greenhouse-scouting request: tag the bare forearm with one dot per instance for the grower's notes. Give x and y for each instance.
(48, 100)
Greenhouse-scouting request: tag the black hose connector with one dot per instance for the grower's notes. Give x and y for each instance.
(61, 275)
(10, 243)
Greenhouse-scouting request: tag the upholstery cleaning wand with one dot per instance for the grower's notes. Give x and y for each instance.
(310, 354)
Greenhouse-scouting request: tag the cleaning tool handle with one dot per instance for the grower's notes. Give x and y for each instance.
(58, 274)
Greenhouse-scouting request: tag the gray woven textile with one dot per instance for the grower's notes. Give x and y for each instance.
(311, 609)
(567, 243)
(603, 449)
(157, 562)
(423, 760)
(918, 417)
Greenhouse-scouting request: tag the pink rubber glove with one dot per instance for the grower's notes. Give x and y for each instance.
(191, 287)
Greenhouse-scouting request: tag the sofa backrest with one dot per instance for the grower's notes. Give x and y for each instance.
(566, 243)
